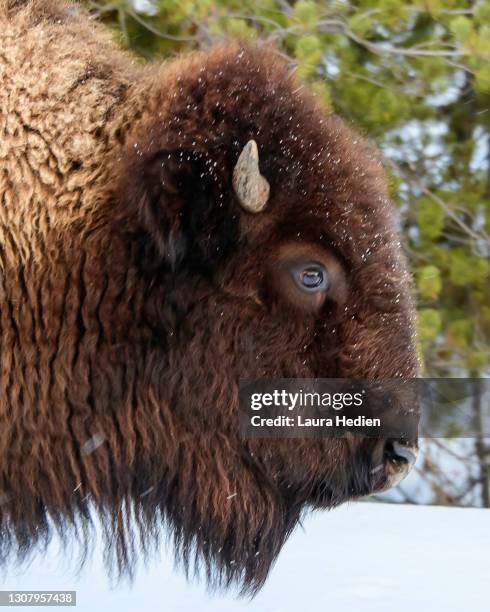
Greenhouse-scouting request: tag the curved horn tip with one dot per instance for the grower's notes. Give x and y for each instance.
(251, 150)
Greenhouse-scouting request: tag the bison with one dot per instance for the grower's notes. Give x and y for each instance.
(167, 230)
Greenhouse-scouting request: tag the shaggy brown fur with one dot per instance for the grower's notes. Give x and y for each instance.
(135, 293)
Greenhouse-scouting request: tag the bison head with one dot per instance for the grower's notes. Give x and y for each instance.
(269, 245)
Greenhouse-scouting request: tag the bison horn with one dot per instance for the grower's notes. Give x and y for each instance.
(250, 186)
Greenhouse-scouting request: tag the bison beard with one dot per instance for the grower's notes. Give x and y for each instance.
(137, 288)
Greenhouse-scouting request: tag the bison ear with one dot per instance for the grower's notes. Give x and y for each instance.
(153, 194)
(178, 198)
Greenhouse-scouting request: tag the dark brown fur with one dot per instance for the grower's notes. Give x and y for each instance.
(135, 293)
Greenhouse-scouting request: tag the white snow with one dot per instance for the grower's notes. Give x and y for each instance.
(360, 557)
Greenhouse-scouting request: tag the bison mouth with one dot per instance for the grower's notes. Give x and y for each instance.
(376, 466)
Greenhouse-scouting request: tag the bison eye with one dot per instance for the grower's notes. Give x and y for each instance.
(311, 278)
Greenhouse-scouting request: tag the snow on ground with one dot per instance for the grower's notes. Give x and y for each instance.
(361, 557)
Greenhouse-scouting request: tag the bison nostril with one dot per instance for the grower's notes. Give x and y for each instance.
(399, 452)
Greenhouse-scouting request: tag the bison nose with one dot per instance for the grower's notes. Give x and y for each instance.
(400, 453)
(399, 457)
